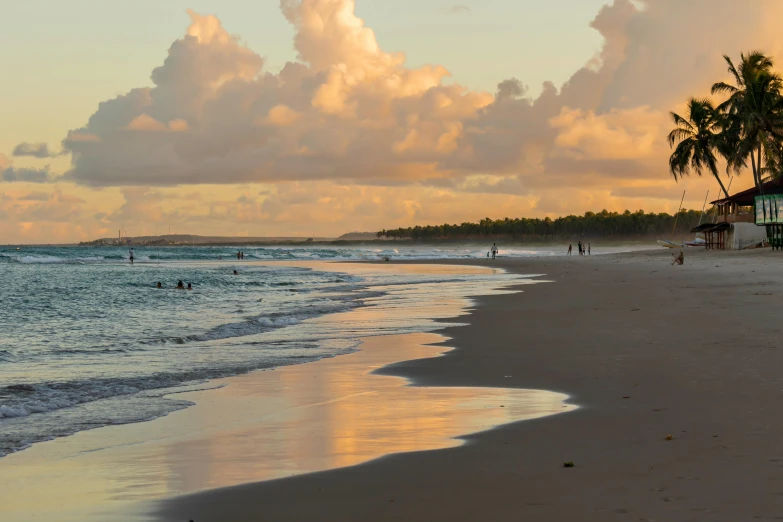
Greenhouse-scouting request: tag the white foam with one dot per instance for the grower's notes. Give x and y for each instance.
(55, 259)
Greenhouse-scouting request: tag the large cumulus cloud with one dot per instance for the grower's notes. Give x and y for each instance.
(348, 110)
(350, 137)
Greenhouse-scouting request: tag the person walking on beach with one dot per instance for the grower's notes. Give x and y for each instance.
(569, 250)
(131, 255)
(494, 250)
(588, 249)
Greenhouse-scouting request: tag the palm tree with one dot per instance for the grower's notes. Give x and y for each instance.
(753, 116)
(698, 136)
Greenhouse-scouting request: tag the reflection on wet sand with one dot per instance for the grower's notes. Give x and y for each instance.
(298, 419)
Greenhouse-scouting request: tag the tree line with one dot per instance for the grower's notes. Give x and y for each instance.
(745, 128)
(604, 224)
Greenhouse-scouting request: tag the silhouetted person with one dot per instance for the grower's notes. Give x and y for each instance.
(235, 272)
(159, 285)
(180, 286)
(569, 249)
(190, 286)
(494, 250)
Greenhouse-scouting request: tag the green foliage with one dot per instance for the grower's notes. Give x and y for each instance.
(747, 125)
(603, 224)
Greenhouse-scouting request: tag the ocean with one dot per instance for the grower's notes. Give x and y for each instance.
(87, 340)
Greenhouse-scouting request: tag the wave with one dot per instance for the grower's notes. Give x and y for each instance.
(22, 400)
(55, 259)
(86, 255)
(77, 405)
(265, 323)
(6, 356)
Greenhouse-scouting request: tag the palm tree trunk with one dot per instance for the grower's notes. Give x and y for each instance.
(760, 182)
(725, 192)
(753, 167)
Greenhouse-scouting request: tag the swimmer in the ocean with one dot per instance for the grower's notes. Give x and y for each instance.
(190, 286)
(159, 285)
(180, 286)
(235, 272)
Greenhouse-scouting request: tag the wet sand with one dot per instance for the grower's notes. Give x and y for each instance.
(646, 349)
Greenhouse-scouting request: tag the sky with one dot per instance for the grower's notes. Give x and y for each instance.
(320, 117)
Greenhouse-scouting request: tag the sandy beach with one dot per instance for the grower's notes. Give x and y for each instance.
(649, 352)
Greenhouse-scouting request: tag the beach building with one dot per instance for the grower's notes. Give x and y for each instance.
(746, 219)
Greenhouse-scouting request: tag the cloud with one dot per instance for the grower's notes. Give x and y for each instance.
(460, 9)
(616, 135)
(510, 89)
(348, 110)
(348, 123)
(25, 175)
(10, 174)
(35, 150)
(345, 110)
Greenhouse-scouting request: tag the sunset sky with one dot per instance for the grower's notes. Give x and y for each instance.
(319, 117)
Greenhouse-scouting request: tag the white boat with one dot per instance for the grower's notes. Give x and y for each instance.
(669, 244)
(698, 242)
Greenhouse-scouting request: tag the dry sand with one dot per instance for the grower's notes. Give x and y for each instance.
(646, 349)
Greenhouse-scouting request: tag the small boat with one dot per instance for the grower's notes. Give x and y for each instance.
(670, 244)
(698, 242)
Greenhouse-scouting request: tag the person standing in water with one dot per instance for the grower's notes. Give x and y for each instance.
(494, 250)
(131, 255)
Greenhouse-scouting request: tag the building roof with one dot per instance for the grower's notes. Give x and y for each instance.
(746, 198)
(711, 227)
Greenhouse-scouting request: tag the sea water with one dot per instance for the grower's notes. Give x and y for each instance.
(87, 340)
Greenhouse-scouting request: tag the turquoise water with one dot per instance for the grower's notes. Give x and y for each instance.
(87, 340)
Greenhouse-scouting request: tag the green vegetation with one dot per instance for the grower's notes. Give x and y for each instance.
(747, 125)
(609, 225)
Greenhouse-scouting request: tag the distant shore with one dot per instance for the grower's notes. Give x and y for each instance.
(194, 241)
(676, 370)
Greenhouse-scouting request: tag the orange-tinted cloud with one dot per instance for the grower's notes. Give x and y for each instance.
(369, 142)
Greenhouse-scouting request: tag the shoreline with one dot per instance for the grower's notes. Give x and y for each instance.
(646, 349)
(209, 438)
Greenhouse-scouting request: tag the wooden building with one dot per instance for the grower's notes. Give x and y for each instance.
(738, 219)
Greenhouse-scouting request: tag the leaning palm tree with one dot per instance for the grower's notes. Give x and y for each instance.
(752, 116)
(698, 138)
